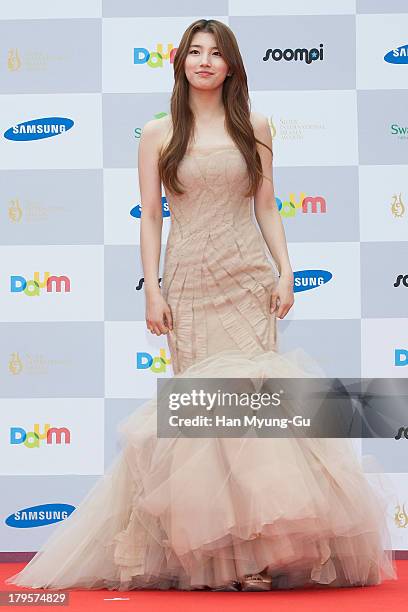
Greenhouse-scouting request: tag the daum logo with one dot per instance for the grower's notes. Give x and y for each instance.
(308, 204)
(145, 361)
(154, 59)
(397, 56)
(402, 279)
(33, 439)
(397, 206)
(297, 55)
(136, 211)
(36, 129)
(310, 279)
(401, 516)
(37, 516)
(51, 284)
(401, 357)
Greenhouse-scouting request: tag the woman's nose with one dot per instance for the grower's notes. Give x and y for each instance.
(205, 60)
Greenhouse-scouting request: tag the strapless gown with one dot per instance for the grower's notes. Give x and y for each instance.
(186, 512)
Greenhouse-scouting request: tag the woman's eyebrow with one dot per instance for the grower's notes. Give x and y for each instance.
(201, 46)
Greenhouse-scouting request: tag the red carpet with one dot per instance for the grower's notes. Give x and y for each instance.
(389, 595)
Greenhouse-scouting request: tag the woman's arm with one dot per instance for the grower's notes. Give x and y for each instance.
(270, 222)
(151, 221)
(158, 314)
(265, 208)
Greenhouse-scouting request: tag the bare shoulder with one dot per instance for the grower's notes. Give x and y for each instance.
(259, 123)
(262, 132)
(157, 130)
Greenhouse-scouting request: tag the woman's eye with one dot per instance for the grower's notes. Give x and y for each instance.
(194, 50)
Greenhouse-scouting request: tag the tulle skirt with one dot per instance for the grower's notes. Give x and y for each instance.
(191, 512)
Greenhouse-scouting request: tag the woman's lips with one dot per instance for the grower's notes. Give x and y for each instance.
(205, 73)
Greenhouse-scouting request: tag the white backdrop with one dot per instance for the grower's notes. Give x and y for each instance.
(74, 96)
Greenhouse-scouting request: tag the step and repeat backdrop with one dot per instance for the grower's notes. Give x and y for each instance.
(78, 80)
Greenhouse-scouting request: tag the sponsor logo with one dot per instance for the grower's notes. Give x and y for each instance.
(307, 204)
(136, 211)
(401, 357)
(298, 55)
(158, 364)
(38, 516)
(140, 284)
(402, 279)
(310, 279)
(397, 206)
(154, 59)
(37, 129)
(52, 284)
(33, 439)
(401, 516)
(400, 130)
(397, 56)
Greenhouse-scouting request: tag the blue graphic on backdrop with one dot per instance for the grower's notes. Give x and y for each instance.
(37, 516)
(303, 280)
(397, 56)
(136, 211)
(37, 129)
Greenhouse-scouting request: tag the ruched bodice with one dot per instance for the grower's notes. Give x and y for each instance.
(214, 178)
(217, 278)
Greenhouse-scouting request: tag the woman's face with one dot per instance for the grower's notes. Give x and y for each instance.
(204, 56)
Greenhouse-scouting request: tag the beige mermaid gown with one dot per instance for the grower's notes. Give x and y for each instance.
(188, 512)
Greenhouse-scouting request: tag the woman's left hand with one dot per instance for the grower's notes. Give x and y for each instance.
(282, 292)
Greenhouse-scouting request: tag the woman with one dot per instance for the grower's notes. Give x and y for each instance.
(217, 513)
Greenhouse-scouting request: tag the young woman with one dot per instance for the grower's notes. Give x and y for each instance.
(217, 513)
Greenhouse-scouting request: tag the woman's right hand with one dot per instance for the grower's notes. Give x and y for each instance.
(159, 319)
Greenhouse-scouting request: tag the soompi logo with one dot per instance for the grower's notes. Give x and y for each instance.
(303, 55)
(33, 439)
(154, 59)
(401, 279)
(19, 284)
(145, 361)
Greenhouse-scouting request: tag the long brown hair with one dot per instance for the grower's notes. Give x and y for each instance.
(236, 103)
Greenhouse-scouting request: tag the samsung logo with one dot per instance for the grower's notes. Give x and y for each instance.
(136, 211)
(37, 516)
(36, 129)
(397, 56)
(310, 279)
